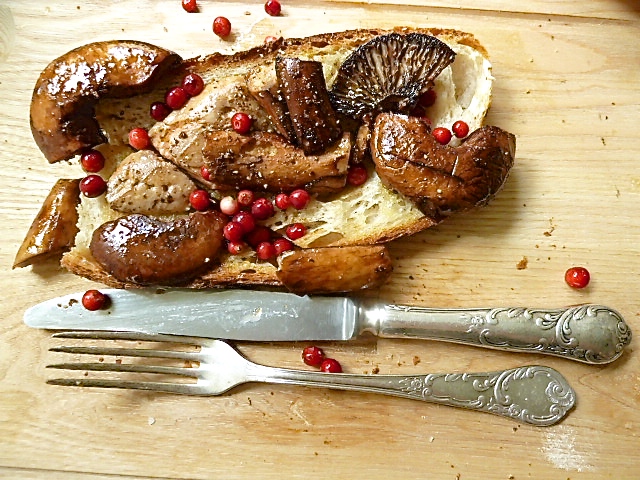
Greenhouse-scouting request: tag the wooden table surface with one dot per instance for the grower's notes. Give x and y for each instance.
(567, 84)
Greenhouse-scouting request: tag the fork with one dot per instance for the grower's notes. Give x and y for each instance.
(536, 395)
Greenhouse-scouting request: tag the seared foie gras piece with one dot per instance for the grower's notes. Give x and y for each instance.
(145, 250)
(409, 159)
(266, 161)
(146, 183)
(63, 103)
(334, 269)
(302, 85)
(54, 228)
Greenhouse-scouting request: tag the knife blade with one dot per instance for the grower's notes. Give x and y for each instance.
(587, 333)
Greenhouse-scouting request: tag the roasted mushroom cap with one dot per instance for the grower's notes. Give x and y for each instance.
(62, 106)
(389, 73)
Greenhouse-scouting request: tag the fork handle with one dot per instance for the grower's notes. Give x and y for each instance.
(537, 395)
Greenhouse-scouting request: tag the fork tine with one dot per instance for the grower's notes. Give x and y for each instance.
(115, 367)
(129, 352)
(180, 388)
(138, 336)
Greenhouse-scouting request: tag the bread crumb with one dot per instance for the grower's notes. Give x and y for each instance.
(522, 264)
(151, 420)
(416, 360)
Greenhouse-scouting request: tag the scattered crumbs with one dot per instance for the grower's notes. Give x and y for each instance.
(603, 141)
(515, 429)
(101, 359)
(410, 277)
(522, 264)
(249, 400)
(552, 227)
(511, 477)
(166, 30)
(77, 7)
(457, 476)
(375, 370)
(431, 439)
(416, 360)
(118, 361)
(86, 374)
(247, 12)
(528, 92)
(73, 301)
(327, 442)
(531, 60)
(315, 453)
(151, 420)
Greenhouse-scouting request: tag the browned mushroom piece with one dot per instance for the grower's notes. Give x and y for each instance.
(334, 269)
(63, 103)
(266, 161)
(302, 85)
(146, 250)
(389, 73)
(54, 229)
(439, 177)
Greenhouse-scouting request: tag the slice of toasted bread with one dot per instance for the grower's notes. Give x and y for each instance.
(362, 215)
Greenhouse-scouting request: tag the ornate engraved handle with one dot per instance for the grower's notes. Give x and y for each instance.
(586, 333)
(536, 395)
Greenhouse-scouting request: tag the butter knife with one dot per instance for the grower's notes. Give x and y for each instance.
(592, 334)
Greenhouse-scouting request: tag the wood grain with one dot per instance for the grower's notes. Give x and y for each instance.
(567, 84)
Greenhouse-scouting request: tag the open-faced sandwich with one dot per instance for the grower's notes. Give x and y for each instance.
(288, 165)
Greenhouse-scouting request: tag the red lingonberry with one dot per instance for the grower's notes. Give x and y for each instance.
(233, 232)
(258, 235)
(205, 173)
(282, 201)
(428, 98)
(282, 245)
(92, 161)
(460, 129)
(139, 138)
(94, 300)
(245, 219)
(222, 27)
(299, 198)
(93, 186)
(313, 356)
(193, 84)
(190, 6)
(296, 231)
(200, 200)
(442, 135)
(236, 248)
(265, 250)
(159, 111)
(245, 198)
(330, 365)
(262, 208)
(229, 205)
(272, 7)
(577, 277)
(176, 97)
(241, 123)
(357, 175)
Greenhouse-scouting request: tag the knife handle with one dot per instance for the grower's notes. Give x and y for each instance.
(587, 333)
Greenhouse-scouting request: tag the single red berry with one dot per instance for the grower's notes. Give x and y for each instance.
(233, 232)
(159, 111)
(93, 186)
(200, 200)
(245, 198)
(330, 365)
(258, 235)
(262, 208)
(236, 248)
(222, 27)
(229, 205)
(299, 198)
(460, 129)
(442, 135)
(176, 97)
(241, 123)
(190, 6)
(205, 173)
(265, 250)
(282, 245)
(193, 84)
(282, 201)
(272, 7)
(313, 356)
(246, 220)
(428, 98)
(94, 300)
(139, 138)
(577, 277)
(92, 161)
(296, 231)
(357, 175)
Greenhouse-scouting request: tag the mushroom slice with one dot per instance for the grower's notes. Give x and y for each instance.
(63, 102)
(334, 269)
(409, 159)
(302, 84)
(267, 161)
(145, 250)
(146, 183)
(389, 73)
(54, 228)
